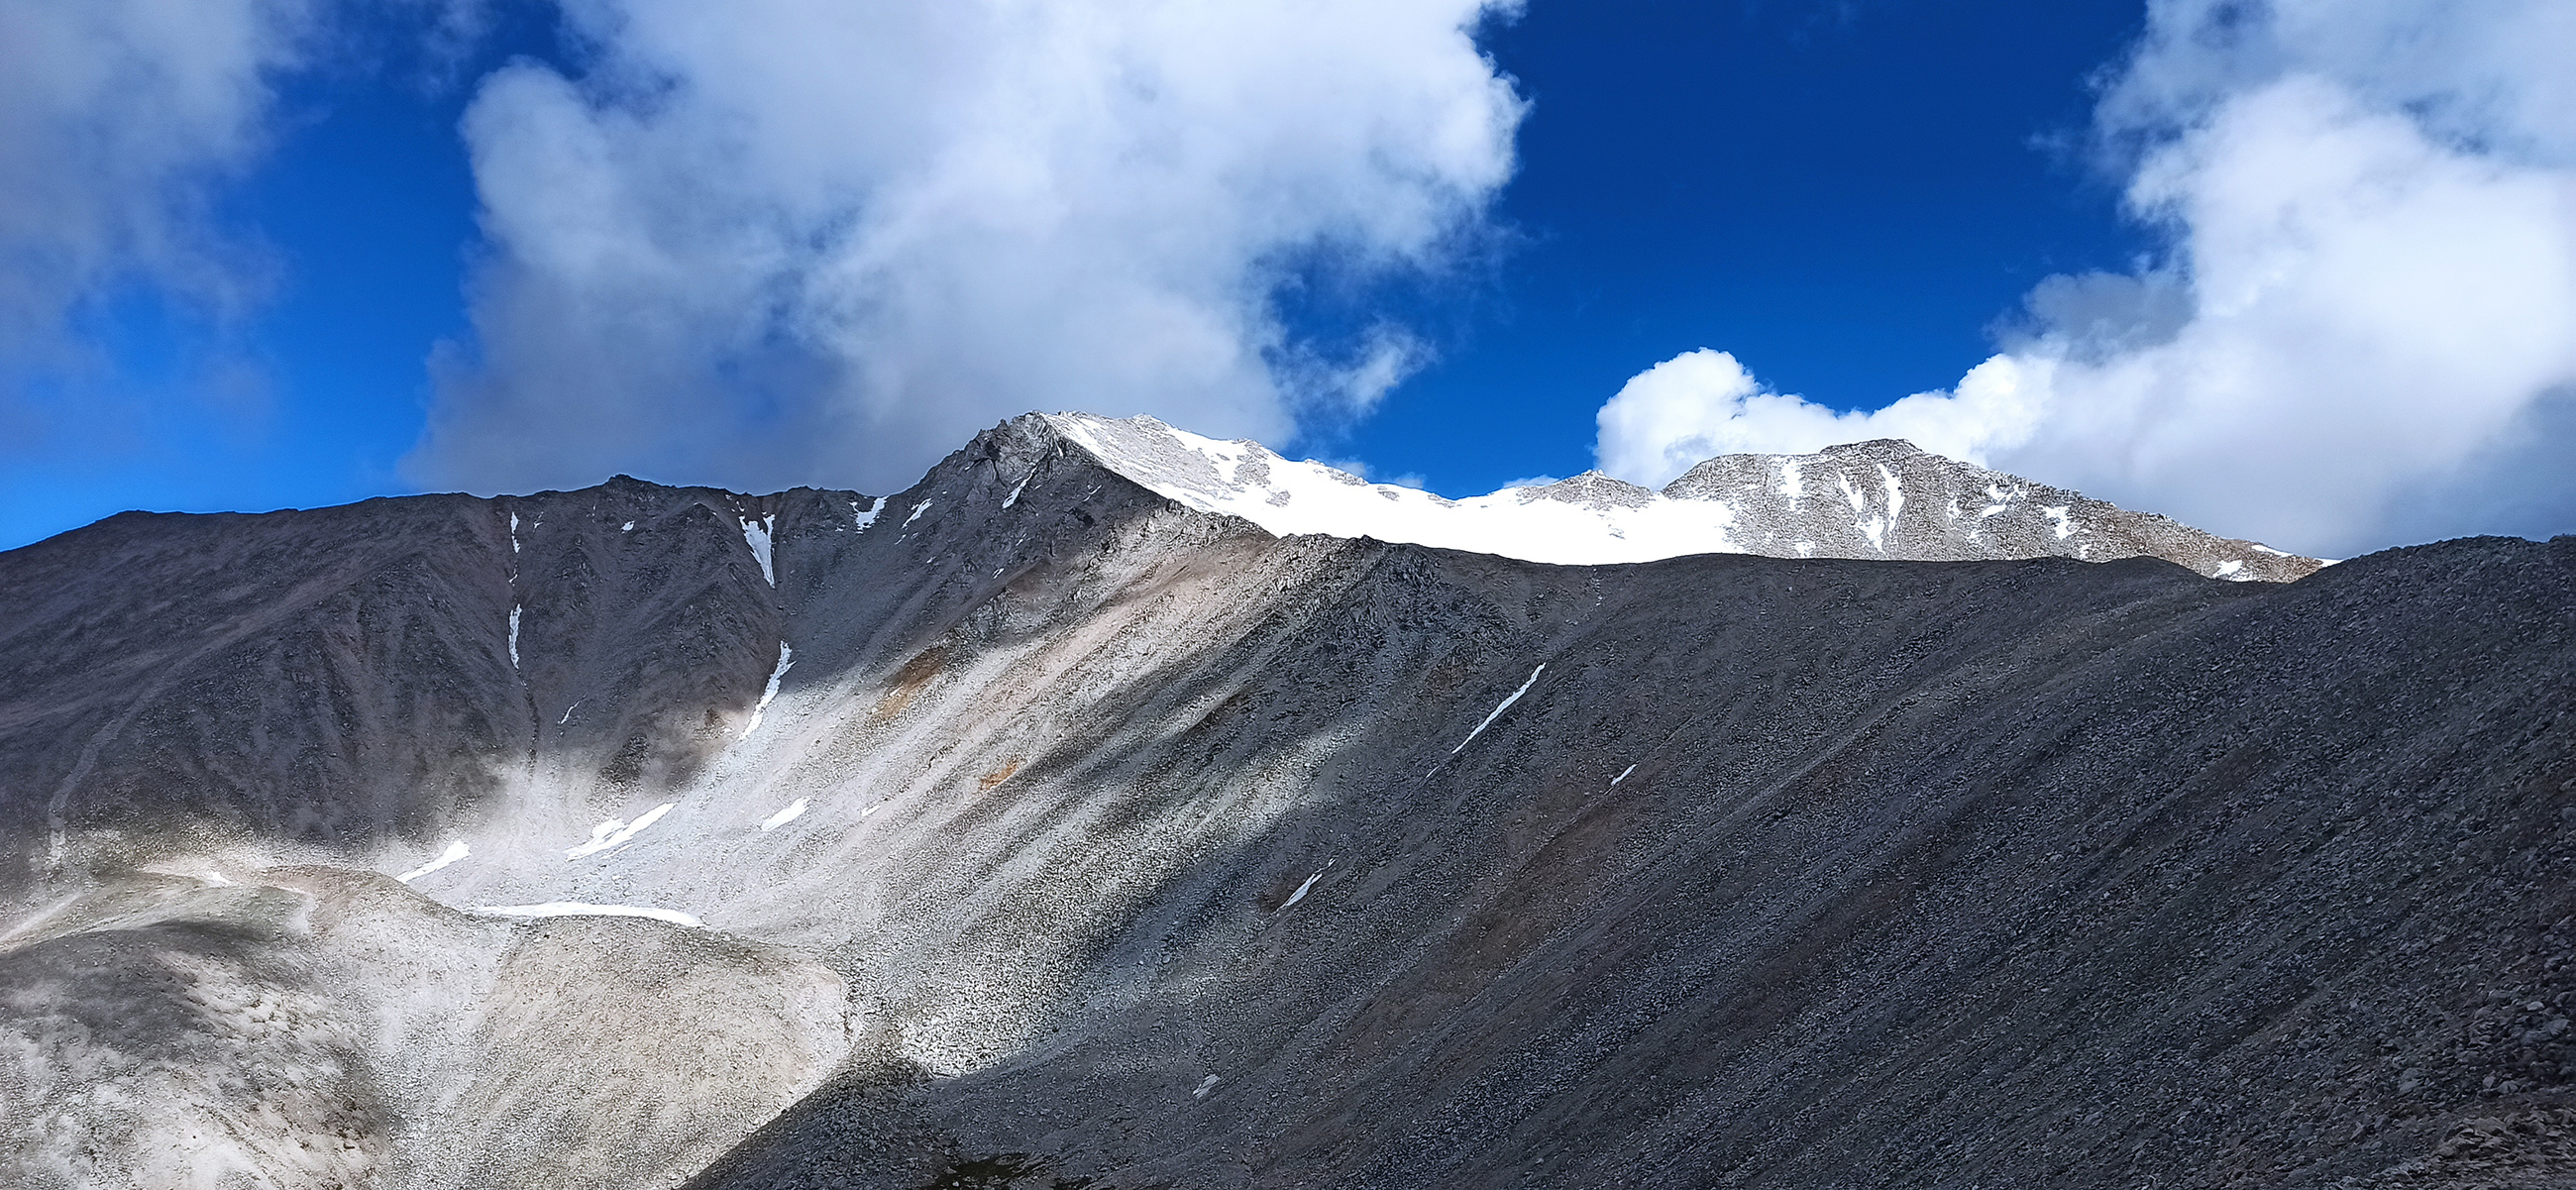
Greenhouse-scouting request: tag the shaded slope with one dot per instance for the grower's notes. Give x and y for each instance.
(347, 675)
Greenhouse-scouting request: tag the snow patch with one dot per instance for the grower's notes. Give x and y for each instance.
(1497, 712)
(1792, 484)
(1014, 497)
(756, 534)
(1851, 495)
(861, 518)
(1205, 1085)
(584, 909)
(1895, 494)
(794, 810)
(514, 636)
(217, 879)
(628, 527)
(2062, 518)
(786, 657)
(2232, 569)
(1300, 894)
(514, 533)
(1623, 774)
(455, 851)
(616, 833)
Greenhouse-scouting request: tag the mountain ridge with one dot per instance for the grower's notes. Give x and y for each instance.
(1744, 503)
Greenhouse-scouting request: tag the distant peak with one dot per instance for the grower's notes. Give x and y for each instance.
(1592, 488)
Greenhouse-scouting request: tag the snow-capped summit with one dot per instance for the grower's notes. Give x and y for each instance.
(1881, 499)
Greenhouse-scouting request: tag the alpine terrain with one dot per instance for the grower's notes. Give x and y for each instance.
(1118, 808)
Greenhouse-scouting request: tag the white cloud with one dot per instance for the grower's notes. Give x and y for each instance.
(1704, 403)
(788, 241)
(2365, 331)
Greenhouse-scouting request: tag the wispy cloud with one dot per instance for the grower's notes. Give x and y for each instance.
(119, 122)
(124, 127)
(2364, 330)
(784, 241)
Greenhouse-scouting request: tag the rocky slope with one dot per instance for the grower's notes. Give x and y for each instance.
(1039, 825)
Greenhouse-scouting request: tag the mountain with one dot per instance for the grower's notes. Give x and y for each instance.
(1045, 825)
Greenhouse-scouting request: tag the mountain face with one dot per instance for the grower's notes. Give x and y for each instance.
(1050, 825)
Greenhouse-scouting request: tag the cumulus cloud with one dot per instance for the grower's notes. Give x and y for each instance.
(2365, 329)
(1704, 403)
(788, 241)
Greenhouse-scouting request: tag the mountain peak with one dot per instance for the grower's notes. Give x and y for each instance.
(1874, 448)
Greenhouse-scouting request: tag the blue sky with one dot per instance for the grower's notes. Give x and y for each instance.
(1849, 196)
(1998, 205)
